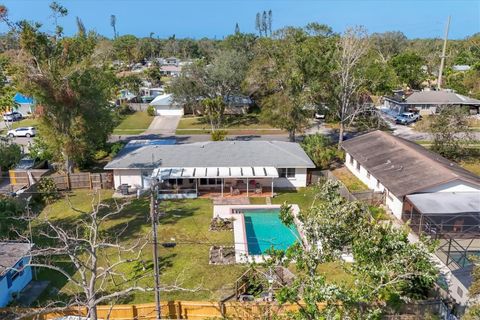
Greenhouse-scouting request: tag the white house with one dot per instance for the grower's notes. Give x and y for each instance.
(223, 167)
(435, 196)
(23, 104)
(15, 273)
(165, 106)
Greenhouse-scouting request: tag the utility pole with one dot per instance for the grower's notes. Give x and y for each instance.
(442, 61)
(154, 218)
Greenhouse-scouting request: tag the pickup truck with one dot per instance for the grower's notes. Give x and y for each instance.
(406, 118)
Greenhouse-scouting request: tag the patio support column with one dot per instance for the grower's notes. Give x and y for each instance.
(247, 187)
(222, 186)
(196, 186)
(272, 187)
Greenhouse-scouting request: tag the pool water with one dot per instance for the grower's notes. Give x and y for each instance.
(264, 229)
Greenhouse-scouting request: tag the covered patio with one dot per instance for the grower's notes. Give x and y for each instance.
(192, 182)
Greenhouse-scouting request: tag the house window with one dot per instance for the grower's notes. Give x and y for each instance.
(378, 184)
(358, 166)
(368, 175)
(351, 160)
(209, 182)
(286, 172)
(460, 292)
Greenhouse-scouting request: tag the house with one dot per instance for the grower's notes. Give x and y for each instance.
(435, 196)
(222, 167)
(237, 104)
(15, 273)
(23, 104)
(147, 94)
(427, 102)
(172, 61)
(170, 70)
(461, 67)
(165, 105)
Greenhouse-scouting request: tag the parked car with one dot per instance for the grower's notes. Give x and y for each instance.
(31, 163)
(406, 118)
(22, 132)
(12, 116)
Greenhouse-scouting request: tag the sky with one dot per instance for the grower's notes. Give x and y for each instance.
(217, 18)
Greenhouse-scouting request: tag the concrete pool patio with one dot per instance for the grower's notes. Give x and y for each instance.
(239, 230)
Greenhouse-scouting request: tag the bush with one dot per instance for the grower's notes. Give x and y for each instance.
(115, 148)
(322, 151)
(48, 189)
(10, 154)
(100, 154)
(219, 135)
(10, 211)
(151, 111)
(124, 109)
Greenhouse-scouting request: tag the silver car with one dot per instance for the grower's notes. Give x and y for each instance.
(22, 132)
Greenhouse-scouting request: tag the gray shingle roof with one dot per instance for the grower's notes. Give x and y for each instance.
(402, 166)
(215, 154)
(440, 98)
(11, 253)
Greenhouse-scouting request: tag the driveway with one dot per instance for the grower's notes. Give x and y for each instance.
(164, 125)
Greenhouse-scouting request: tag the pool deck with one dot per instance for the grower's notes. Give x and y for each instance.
(240, 238)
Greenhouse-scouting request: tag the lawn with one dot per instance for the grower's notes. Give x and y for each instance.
(234, 124)
(303, 197)
(26, 122)
(352, 183)
(186, 223)
(134, 123)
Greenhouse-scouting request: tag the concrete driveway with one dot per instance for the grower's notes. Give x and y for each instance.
(164, 125)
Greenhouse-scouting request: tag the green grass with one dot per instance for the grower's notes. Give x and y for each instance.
(234, 124)
(134, 123)
(258, 200)
(186, 222)
(28, 122)
(303, 197)
(472, 165)
(349, 180)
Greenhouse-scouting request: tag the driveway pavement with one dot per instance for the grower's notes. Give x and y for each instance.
(164, 125)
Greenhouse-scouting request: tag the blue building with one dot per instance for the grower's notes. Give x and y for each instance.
(23, 104)
(15, 273)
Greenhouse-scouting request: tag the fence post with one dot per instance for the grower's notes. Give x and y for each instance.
(67, 179)
(90, 179)
(179, 310)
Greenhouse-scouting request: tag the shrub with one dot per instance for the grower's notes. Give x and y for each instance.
(219, 135)
(48, 189)
(124, 109)
(9, 222)
(322, 151)
(10, 154)
(151, 111)
(115, 148)
(100, 154)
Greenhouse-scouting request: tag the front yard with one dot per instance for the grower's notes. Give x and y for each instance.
(134, 123)
(233, 124)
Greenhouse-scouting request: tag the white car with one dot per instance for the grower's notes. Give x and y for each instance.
(22, 132)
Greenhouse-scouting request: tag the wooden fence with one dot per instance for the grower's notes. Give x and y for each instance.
(26, 178)
(197, 310)
(83, 180)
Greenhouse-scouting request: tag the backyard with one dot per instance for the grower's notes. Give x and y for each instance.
(233, 124)
(134, 123)
(185, 223)
(352, 183)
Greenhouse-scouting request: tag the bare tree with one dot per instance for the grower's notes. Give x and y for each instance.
(352, 47)
(97, 255)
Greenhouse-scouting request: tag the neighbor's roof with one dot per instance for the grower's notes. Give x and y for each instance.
(163, 100)
(171, 68)
(11, 253)
(446, 202)
(276, 154)
(402, 166)
(21, 99)
(440, 97)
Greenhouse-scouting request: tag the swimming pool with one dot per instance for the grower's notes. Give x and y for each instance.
(264, 229)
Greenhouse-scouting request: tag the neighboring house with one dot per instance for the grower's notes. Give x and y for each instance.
(170, 70)
(237, 104)
(165, 106)
(147, 94)
(172, 61)
(126, 96)
(14, 276)
(24, 105)
(427, 102)
(214, 166)
(435, 196)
